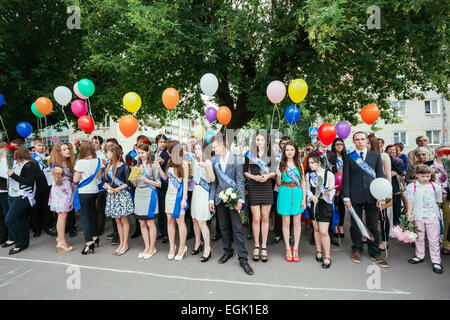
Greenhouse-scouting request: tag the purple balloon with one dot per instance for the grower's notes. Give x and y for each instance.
(211, 114)
(343, 129)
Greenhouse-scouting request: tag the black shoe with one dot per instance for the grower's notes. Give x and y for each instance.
(319, 259)
(200, 248)
(334, 242)
(438, 268)
(73, 233)
(109, 236)
(248, 270)
(341, 235)
(36, 234)
(275, 240)
(159, 237)
(88, 249)
(6, 244)
(165, 241)
(205, 259)
(190, 236)
(14, 251)
(291, 240)
(415, 260)
(2, 242)
(250, 236)
(97, 241)
(225, 258)
(136, 234)
(216, 237)
(51, 232)
(326, 265)
(115, 240)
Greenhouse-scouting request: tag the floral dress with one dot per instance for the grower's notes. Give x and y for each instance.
(61, 197)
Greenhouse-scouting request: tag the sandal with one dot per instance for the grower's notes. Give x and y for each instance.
(295, 258)
(326, 265)
(255, 256)
(264, 256)
(321, 258)
(289, 257)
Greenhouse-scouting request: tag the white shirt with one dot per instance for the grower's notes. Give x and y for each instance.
(330, 186)
(87, 168)
(425, 200)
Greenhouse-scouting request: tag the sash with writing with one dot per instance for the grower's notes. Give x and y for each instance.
(294, 176)
(44, 168)
(179, 186)
(118, 182)
(362, 164)
(228, 180)
(153, 198)
(261, 164)
(76, 197)
(133, 154)
(339, 165)
(39, 160)
(205, 185)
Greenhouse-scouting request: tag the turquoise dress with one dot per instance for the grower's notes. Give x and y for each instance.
(290, 199)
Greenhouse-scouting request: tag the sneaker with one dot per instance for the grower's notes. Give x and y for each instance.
(115, 240)
(110, 236)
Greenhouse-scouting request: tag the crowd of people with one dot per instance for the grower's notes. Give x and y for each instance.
(181, 188)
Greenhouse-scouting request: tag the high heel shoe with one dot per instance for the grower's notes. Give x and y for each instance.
(319, 259)
(204, 259)
(91, 249)
(289, 257)
(62, 249)
(179, 258)
(200, 248)
(326, 265)
(170, 256)
(264, 257)
(97, 241)
(295, 258)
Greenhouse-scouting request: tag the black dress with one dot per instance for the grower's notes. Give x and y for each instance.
(258, 193)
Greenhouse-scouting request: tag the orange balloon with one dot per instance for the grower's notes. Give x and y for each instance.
(44, 105)
(128, 125)
(170, 98)
(370, 113)
(224, 115)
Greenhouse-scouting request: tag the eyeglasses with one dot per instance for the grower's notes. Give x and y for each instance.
(339, 144)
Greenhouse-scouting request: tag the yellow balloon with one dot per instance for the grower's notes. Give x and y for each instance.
(132, 102)
(298, 89)
(199, 132)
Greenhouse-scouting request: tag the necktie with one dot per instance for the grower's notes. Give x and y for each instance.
(361, 154)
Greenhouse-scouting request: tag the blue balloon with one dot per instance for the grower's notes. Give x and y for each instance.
(1, 100)
(24, 129)
(292, 114)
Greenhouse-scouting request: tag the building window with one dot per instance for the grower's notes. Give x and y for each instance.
(106, 123)
(431, 107)
(434, 136)
(400, 137)
(399, 107)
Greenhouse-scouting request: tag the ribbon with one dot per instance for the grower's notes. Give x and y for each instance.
(335, 220)
(339, 165)
(294, 177)
(179, 186)
(226, 178)
(76, 197)
(153, 198)
(362, 164)
(261, 164)
(118, 182)
(205, 185)
(39, 160)
(133, 154)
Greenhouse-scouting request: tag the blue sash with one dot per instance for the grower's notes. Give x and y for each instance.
(39, 160)
(362, 164)
(228, 180)
(118, 182)
(205, 185)
(189, 156)
(278, 159)
(261, 164)
(294, 177)
(339, 165)
(153, 198)
(335, 220)
(133, 154)
(179, 186)
(76, 197)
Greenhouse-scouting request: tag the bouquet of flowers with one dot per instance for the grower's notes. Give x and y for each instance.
(445, 154)
(406, 232)
(231, 198)
(10, 155)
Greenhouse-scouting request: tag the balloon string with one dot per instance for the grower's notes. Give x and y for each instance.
(45, 130)
(279, 118)
(65, 116)
(273, 113)
(90, 111)
(6, 132)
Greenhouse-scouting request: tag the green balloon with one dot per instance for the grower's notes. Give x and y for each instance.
(86, 87)
(35, 111)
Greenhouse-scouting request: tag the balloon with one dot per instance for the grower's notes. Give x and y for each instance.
(170, 98)
(370, 113)
(62, 95)
(209, 84)
(78, 107)
(77, 92)
(199, 132)
(381, 188)
(208, 136)
(86, 124)
(132, 102)
(1, 100)
(211, 114)
(298, 89)
(224, 115)
(128, 125)
(276, 91)
(327, 133)
(44, 105)
(35, 111)
(343, 129)
(338, 180)
(292, 114)
(86, 87)
(24, 129)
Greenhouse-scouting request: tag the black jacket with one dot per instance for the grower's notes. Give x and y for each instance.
(332, 160)
(165, 155)
(356, 182)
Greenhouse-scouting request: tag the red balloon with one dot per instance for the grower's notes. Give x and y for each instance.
(338, 180)
(86, 124)
(327, 133)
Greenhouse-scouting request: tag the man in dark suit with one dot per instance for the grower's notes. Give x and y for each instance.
(356, 194)
(162, 156)
(230, 166)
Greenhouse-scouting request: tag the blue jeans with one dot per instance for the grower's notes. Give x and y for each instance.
(17, 221)
(88, 215)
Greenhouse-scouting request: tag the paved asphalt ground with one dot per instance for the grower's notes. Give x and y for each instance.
(41, 273)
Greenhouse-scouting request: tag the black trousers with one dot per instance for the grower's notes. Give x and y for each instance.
(4, 207)
(41, 216)
(88, 215)
(277, 229)
(17, 221)
(397, 208)
(100, 205)
(372, 214)
(385, 225)
(188, 216)
(162, 217)
(231, 227)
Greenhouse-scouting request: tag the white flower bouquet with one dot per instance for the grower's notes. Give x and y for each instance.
(231, 198)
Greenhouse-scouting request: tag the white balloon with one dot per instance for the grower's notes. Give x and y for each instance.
(209, 84)
(381, 188)
(62, 95)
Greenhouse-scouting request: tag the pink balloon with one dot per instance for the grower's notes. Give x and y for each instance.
(276, 91)
(78, 107)
(338, 180)
(77, 92)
